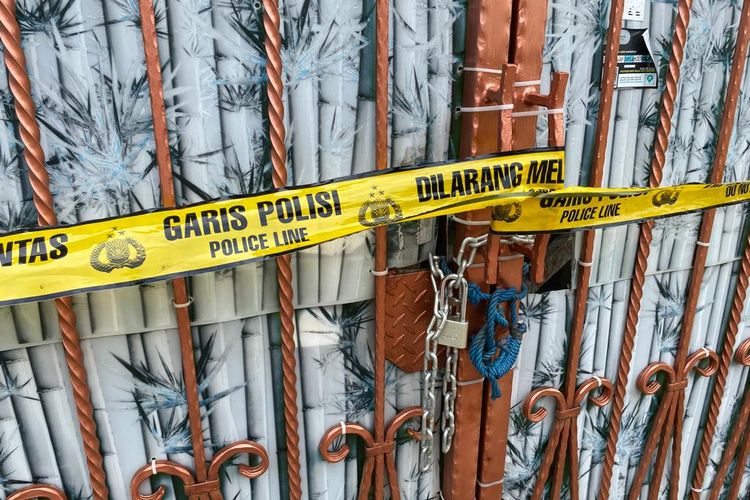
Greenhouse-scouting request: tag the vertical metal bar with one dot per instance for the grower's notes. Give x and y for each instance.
(584, 263)
(488, 38)
(179, 285)
(494, 428)
(528, 36)
(20, 86)
(644, 240)
(739, 431)
(597, 172)
(275, 90)
(739, 470)
(738, 302)
(381, 233)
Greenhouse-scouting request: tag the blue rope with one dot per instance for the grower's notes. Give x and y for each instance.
(483, 350)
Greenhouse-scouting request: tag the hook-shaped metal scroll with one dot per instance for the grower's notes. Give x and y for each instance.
(372, 449)
(211, 488)
(158, 467)
(38, 491)
(239, 448)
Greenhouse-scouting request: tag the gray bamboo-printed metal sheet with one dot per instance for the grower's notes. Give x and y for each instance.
(87, 69)
(575, 35)
(86, 63)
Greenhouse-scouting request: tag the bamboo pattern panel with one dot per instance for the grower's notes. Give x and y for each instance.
(575, 36)
(88, 74)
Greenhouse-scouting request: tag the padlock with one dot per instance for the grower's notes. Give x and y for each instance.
(455, 333)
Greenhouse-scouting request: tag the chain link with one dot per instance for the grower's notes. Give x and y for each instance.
(450, 300)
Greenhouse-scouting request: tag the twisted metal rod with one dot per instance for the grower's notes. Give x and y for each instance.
(275, 90)
(381, 233)
(645, 237)
(673, 426)
(742, 356)
(20, 87)
(738, 302)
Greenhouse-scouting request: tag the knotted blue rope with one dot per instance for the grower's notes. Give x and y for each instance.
(483, 350)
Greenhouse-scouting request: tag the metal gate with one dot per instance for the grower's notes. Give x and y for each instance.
(264, 381)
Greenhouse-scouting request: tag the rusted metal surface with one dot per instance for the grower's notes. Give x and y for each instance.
(373, 449)
(208, 488)
(675, 402)
(20, 87)
(487, 42)
(408, 310)
(275, 90)
(38, 491)
(740, 293)
(661, 143)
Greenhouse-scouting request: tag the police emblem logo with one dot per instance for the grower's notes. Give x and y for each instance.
(379, 209)
(508, 212)
(665, 197)
(117, 252)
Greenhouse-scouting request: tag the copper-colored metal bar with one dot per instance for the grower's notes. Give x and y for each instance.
(205, 483)
(729, 451)
(562, 443)
(597, 172)
(493, 430)
(38, 491)
(373, 449)
(546, 465)
(560, 440)
(668, 422)
(493, 435)
(528, 36)
(742, 356)
(275, 90)
(673, 426)
(739, 471)
(179, 285)
(503, 95)
(20, 87)
(738, 302)
(487, 41)
(208, 489)
(381, 233)
(661, 143)
(158, 467)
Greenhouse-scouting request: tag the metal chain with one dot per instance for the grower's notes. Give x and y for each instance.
(450, 294)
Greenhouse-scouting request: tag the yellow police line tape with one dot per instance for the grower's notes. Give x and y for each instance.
(156, 245)
(526, 190)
